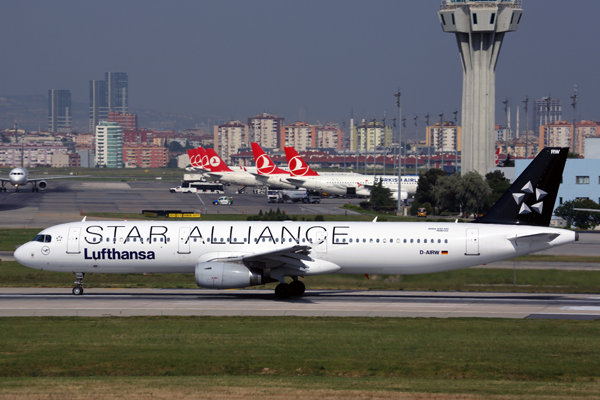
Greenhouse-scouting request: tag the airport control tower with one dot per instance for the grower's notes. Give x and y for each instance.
(479, 26)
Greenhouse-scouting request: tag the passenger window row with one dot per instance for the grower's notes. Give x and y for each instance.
(371, 240)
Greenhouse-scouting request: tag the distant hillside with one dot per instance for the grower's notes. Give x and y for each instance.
(31, 113)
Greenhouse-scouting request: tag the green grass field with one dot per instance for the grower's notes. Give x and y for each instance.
(355, 357)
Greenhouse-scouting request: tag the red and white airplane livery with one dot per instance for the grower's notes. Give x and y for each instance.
(267, 172)
(351, 184)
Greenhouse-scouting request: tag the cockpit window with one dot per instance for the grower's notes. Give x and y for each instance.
(42, 238)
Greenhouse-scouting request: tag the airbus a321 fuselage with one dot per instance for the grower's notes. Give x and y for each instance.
(240, 254)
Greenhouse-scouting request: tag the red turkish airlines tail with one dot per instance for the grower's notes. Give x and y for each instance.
(497, 155)
(264, 164)
(298, 167)
(204, 158)
(215, 163)
(195, 158)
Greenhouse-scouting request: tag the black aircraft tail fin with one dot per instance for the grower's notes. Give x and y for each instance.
(530, 199)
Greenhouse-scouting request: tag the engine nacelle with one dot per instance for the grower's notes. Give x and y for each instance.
(42, 185)
(221, 275)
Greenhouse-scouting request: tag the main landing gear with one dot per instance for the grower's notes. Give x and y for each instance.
(286, 290)
(78, 290)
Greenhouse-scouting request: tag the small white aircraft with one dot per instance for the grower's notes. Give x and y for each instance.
(225, 255)
(19, 177)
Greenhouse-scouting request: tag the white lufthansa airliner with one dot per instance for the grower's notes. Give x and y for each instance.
(240, 254)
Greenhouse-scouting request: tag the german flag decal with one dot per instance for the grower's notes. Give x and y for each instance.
(444, 252)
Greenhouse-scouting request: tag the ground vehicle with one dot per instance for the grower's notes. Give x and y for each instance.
(223, 200)
(304, 196)
(198, 187)
(422, 212)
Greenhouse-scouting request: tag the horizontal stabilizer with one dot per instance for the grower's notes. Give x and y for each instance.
(534, 238)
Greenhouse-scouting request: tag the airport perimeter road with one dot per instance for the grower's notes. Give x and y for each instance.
(315, 303)
(63, 201)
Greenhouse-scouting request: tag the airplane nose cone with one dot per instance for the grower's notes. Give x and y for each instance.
(21, 254)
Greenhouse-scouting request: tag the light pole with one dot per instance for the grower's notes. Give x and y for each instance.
(405, 150)
(399, 104)
(428, 141)
(575, 137)
(548, 102)
(394, 147)
(455, 141)
(344, 143)
(505, 102)
(526, 101)
(374, 147)
(416, 144)
(442, 137)
(384, 143)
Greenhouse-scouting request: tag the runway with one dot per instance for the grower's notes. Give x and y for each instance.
(22, 302)
(68, 201)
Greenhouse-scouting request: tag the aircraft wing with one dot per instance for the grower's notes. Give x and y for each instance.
(296, 181)
(260, 177)
(47, 178)
(4, 180)
(290, 257)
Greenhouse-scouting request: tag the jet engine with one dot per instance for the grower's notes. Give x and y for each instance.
(222, 275)
(42, 185)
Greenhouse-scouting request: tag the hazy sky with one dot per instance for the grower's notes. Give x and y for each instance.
(235, 59)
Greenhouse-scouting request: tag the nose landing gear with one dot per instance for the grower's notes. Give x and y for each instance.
(78, 290)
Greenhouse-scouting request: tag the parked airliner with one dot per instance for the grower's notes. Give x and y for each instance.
(267, 172)
(351, 184)
(225, 255)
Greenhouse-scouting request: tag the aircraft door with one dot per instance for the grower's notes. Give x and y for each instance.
(184, 243)
(319, 241)
(73, 241)
(472, 236)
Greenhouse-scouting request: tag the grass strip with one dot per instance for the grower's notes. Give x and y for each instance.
(378, 348)
(298, 387)
(13, 274)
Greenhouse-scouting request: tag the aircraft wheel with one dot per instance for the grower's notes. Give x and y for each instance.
(297, 288)
(77, 290)
(283, 291)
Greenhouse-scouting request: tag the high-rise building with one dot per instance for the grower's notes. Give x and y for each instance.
(59, 111)
(127, 121)
(118, 91)
(447, 142)
(109, 145)
(329, 136)
(98, 103)
(265, 130)
(229, 138)
(541, 112)
(560, 134)
(479, 27)
(300, 136)
(371, 135)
